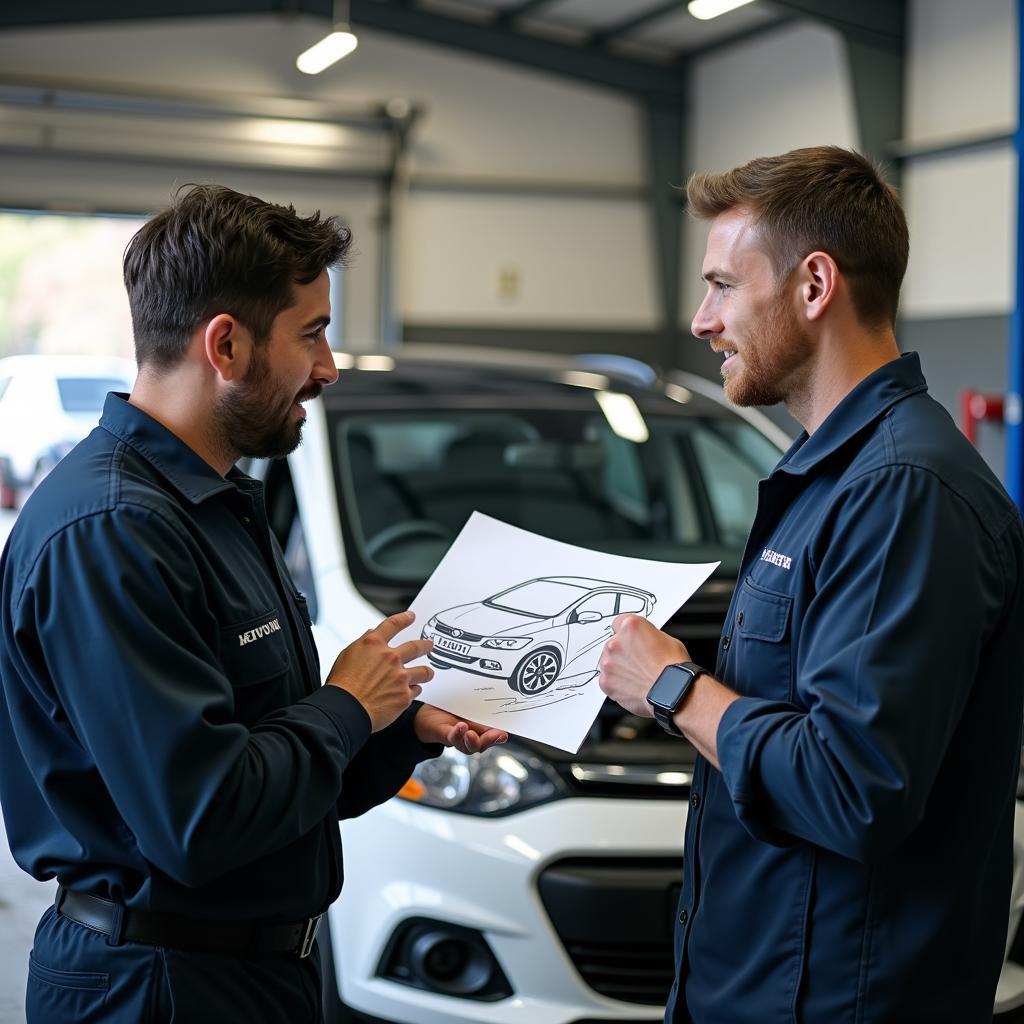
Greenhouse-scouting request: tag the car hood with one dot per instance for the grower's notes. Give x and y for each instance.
(478, 618)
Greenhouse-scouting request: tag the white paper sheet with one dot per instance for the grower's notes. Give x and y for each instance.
(520, 621)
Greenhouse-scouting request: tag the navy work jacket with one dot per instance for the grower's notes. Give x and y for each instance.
(164, 740)
(850, 863)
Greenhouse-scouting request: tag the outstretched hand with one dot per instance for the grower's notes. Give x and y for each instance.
(436, 726)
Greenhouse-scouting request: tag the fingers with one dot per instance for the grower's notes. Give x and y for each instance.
(393, 625)
(413, 649)
(419, 675)
(474, 741)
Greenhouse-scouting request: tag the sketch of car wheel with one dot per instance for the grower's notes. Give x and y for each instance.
(535, 673)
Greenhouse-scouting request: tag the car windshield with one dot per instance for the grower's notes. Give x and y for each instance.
(86, 394)
(410, 480)
(539, 598)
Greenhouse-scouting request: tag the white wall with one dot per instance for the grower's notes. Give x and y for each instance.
(484, 121)
(961, 81)
(776, 92)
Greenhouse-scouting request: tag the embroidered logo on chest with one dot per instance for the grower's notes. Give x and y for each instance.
(774, 558)
(273, 626)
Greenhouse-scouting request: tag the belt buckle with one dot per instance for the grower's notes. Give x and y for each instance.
(309, 936)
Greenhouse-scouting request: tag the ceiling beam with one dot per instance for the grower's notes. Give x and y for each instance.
(486, 40)
(28, 13)
(579, 62)
(522, 10)
(881, 23)
(626, 25)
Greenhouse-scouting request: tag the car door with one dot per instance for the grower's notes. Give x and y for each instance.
(586, 638)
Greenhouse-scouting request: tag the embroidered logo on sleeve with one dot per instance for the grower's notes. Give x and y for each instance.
(782, 561)
(273, 626)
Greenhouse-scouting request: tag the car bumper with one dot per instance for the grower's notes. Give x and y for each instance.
(484, 661)
(405, 862)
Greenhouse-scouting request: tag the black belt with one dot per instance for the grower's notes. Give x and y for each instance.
(124, 924)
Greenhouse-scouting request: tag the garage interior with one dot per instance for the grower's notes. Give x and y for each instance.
(511, 172)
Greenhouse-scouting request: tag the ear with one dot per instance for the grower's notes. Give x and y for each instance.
(227, 346)
(819, 280)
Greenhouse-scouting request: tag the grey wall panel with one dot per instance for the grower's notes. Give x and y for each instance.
(961, 353)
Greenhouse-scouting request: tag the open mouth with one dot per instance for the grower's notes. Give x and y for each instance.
(728, 354)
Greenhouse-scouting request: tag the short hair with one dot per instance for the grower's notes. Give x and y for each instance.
(820, 198)
(219, 251)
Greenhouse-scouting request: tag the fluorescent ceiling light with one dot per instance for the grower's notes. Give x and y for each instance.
(707, 9)
(340, 43)
(622, 415)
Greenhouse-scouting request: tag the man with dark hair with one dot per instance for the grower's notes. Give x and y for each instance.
(848, 847)
(166, 750)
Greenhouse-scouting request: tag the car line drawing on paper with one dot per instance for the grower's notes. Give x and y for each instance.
(536, 632)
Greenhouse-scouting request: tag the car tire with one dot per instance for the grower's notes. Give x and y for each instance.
(536, 672)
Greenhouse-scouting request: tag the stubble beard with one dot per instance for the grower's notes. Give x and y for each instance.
(254, 420)
(775, 367)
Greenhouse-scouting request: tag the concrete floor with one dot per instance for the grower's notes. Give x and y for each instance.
(22, 901)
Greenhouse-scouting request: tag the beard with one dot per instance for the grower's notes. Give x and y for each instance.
(775, 367)
(255, 419)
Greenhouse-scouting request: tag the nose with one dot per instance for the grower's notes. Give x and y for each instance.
(325, 371)
(706, 322)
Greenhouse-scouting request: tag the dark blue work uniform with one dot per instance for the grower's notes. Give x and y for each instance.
(851, 862)
(164, 740)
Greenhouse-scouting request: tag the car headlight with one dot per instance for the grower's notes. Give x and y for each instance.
(502, 780)
(507, 643)
(432, 622)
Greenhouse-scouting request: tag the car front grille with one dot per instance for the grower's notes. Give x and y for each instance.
(639, 974)
(458, 634)
(615, 917)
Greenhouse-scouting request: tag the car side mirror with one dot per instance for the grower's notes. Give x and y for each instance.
(589, 616)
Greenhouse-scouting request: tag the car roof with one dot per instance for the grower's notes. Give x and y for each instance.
(453, 372)
(463, 376)
(592, 584)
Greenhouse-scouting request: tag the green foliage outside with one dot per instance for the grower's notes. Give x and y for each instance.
(60, 284)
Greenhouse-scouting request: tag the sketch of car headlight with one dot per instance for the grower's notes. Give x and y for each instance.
(507, 643)
(501, 780)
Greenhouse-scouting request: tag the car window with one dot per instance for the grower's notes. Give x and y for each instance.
(603, 604)
(540, 598)
(87, 394)
(731, 475)
(409, 481)
(631, 603)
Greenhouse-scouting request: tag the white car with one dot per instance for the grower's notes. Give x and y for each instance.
(524, 884)
(47, 405)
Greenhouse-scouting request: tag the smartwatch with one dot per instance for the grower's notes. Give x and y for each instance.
(670, 690)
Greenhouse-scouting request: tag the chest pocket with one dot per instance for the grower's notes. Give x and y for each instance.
(761, 651)
(255, 657)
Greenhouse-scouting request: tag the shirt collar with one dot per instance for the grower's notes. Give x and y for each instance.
(195, 478)
(867, 402)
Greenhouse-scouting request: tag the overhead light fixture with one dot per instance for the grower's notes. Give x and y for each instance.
(705, 10)
(340, 42)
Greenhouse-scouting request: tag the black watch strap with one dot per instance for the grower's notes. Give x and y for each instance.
(669, 691)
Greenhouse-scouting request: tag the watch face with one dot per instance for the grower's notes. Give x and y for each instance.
(669, 687)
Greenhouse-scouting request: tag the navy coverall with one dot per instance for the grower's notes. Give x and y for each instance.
(164, 740)
(850, 863)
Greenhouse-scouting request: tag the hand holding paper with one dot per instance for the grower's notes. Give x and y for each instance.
(633, 658)
(518, 624)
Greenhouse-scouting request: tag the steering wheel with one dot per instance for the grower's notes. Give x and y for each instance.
(399, 533)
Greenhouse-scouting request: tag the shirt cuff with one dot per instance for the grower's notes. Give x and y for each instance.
(344, 710)
(743, 730)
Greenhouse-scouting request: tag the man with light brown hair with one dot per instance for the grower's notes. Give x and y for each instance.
(848, 848)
